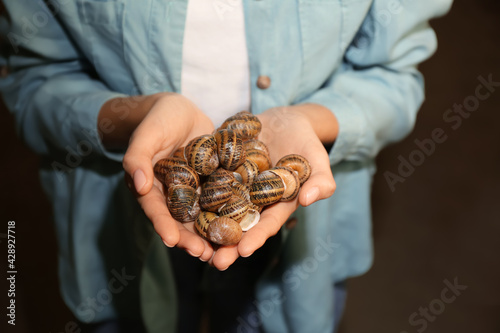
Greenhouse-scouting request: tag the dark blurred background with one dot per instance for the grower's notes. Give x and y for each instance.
(441, 223)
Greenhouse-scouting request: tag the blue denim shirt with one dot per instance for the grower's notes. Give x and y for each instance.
(66, 58)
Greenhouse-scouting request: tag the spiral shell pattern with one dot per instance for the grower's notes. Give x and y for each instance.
(235, 208)
(215, 196)
(244, 123)
(267, 189)
(229, 149)
(182, 202)
(255, 144)
(163, 167)
(259, 157)
(201, 154)
(203, 221)
(248, 171)
(182, 175)
(290, 180)
(297, 163)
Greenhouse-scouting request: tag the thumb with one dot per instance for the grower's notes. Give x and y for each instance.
(138, 160)
(320, 184)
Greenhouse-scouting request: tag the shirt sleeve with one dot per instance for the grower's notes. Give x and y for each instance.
(50, 87)
(377, 91)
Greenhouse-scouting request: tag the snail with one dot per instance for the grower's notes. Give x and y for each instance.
(267, 189)
(229, 149)
(244, 123)
(182, 202)
(161, 168)
(236, 176)
(248, 171)
(201, 154)
(290, 180)
(224, 231)
(214, 196)
(259, 157)
(297, 163)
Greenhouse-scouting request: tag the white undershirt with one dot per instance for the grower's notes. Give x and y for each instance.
(215, 71)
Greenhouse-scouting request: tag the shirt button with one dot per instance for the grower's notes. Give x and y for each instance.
(263, 82)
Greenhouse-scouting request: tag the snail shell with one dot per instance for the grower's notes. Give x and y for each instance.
(162, 167)
(182, 202)
(250, 219)
(203, 221)
(179, 153)
(182, 175)
(259, 157)
(230, 149)
(244, 123)
(221, 176)
(201, 154)
(235, 208)
(290, 180)
(224, 231)
(241, 191)
(299, 164)
(214, 196)
(248, 171)
(255, 144)
(267, 189)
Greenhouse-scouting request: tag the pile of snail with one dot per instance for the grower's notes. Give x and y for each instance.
(237, 180)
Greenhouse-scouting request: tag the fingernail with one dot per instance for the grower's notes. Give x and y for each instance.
(139, 179)
(312, 195)
(191, 253)
(201, 259)
(166, 244)
(248, 255)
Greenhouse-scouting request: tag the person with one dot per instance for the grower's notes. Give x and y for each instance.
(103, 89)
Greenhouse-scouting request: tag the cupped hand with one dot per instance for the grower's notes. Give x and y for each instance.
(171, 123)
(289, 130)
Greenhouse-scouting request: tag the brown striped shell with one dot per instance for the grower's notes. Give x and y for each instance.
(259, 157)
(179, 153)
(182, 202)
(290, 180)
(248, 171)
(267, 189)
(297, 163)
(201, 154)
(221, 176)
(214, 196)
(230, 149)
(203, 221)
(241, 190)
(162, 167)
(235, 208)
(224, 231)
(182, 175)
(244, 123)
(255, 144)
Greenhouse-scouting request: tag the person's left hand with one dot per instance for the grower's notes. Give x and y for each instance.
(289, 130)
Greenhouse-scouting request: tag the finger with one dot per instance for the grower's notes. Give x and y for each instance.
(207, 253)
(189, 241)
(320, 184)
(224, 257)
(271, 220)
(153, 204)
(144, 144)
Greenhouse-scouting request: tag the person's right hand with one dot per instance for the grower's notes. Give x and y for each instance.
(171, 123)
